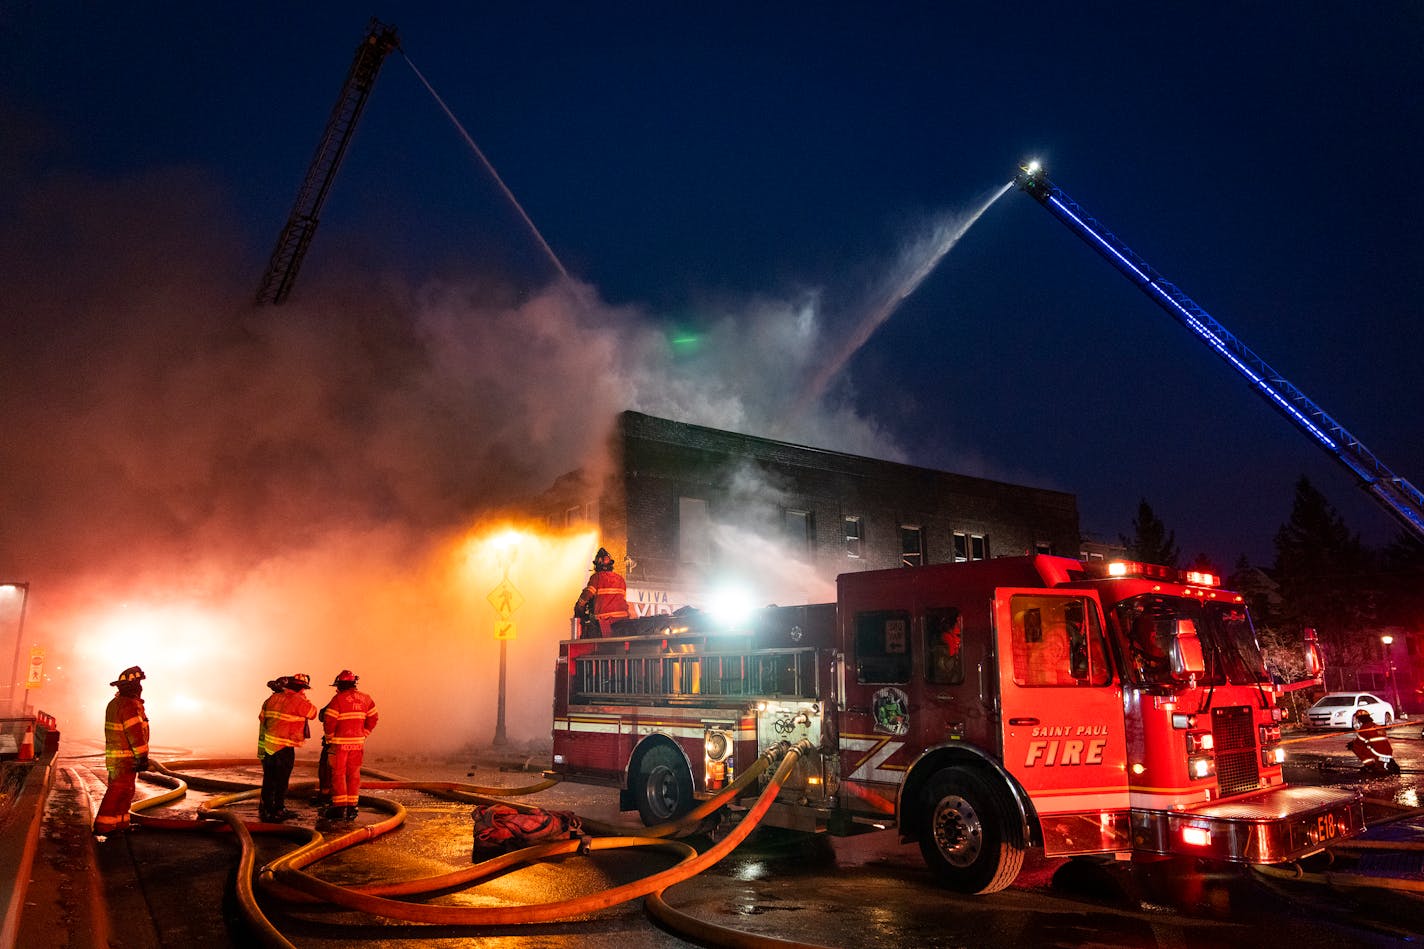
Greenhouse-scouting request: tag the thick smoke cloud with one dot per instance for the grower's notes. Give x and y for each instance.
(223, 493)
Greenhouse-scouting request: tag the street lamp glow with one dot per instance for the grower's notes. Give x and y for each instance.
(1388, 641)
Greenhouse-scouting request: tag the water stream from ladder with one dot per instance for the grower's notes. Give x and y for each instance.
(509, 195)
(915, 267)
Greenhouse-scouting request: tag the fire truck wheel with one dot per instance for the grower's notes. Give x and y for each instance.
(967, 837)
(663, 787)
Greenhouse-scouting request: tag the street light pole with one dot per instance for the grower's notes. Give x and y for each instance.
(1388, 641)
(23, 589)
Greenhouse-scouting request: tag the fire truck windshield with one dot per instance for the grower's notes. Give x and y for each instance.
(1150, 625)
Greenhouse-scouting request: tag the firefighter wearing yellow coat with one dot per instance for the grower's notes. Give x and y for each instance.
(125, 751)
(284, 727)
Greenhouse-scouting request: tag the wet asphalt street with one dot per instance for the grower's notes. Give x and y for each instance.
(167, 887)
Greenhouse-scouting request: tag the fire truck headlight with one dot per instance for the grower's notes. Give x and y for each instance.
(1200, 741)
(1201, 767)
(1270, 757)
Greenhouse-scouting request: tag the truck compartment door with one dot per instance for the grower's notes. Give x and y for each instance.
(1063, 726)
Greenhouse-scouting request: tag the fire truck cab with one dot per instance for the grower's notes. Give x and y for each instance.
(981, 708)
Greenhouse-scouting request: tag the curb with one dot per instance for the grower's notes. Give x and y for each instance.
(19, 842)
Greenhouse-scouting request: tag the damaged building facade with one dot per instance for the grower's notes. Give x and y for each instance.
(684, 506)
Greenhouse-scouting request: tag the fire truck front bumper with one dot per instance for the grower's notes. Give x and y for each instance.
(1271, 826)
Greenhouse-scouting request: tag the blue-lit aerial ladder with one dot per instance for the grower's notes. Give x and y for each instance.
(297, 235)
(1399, 497)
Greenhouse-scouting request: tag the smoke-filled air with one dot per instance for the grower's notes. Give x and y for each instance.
(223, 493)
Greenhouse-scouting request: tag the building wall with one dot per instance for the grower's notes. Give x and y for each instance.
(801, 497)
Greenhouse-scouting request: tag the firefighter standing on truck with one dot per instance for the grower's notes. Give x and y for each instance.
(125, 751)
(1371, 745)
(347, 719)
(284, 718)
(604, 599)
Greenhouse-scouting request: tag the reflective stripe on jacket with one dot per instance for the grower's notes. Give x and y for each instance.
(610, 595)
(349, 717)
(125, 730)
(283, 718)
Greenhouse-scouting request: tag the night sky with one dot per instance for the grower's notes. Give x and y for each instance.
(733, 188)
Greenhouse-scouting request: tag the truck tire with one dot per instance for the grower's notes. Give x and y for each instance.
(663, 787)
(968, 836)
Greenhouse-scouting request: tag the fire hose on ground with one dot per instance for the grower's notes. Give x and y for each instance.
(286, 878)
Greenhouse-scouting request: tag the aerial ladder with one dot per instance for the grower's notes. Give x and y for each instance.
(296, 236)
(1396, 494)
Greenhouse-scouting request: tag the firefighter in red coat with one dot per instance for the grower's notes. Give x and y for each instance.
(1371, 745)
(605, 598)
(347, 720)
(125, 751)
(284, 718)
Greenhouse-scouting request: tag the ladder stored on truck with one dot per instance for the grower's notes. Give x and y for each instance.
(1398, 496)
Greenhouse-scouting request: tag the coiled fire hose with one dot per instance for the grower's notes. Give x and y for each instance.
(286, 877)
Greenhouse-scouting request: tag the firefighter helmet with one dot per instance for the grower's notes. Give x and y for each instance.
(277, 684)
(603, 560)
(346, 679)
(131, 674)
(1363, 717)
(299, 681)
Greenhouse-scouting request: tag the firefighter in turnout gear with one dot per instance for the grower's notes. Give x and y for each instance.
(1371, 745)
(321, 800)
(604, 600)
(284, 718)
(125, 751)
(347, 720)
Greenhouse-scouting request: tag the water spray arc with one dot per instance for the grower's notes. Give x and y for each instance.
(916, 265)
(489, 167)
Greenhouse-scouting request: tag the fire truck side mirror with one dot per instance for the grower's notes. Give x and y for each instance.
(1314, 662)
(1186, 649)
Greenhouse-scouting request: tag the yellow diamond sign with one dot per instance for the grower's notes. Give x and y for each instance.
(505, 599)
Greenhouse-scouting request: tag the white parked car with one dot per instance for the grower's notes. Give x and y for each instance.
(1337, 710)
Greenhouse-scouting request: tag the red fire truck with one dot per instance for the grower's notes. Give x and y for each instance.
(981, 708)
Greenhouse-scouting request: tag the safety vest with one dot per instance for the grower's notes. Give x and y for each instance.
(348, 718)
(284, 716)
(125, 730)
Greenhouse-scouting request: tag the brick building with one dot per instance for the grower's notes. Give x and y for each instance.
(682, 503)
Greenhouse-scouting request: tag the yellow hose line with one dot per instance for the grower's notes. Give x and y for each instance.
(288, 870)
(1342, 733)
(246, 896)
(1390, 845)
(1336, 878)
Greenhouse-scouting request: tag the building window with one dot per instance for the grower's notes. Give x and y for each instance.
(854, 534)
(1043, 547)
(798, 530)
(961, 547)
(882, 650)
(978, 547)
(693, 535)
(912, 546)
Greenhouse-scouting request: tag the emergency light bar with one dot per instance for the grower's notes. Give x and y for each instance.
(1152, 571)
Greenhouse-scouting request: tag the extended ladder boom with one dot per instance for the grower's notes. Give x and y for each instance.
(1399, 497)
(296, 236)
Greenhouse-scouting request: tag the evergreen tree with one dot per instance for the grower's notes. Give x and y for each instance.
(1151, 541)
(1325, 578)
